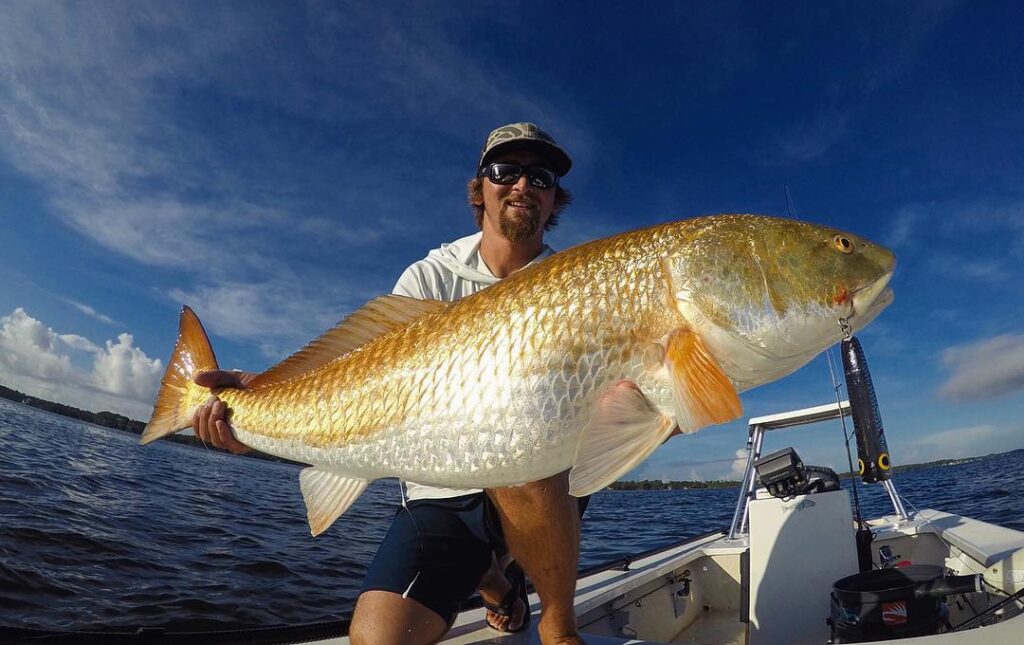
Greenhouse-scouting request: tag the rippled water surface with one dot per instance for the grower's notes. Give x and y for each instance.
(96, 532)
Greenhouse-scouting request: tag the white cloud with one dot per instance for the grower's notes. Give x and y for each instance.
(280, 316)
(101, 106)
(1005, 220)
(971, 441)
(963, 268)
(134, 171)
(810, 141)
(980, 241)
(40, 362)
(32, 349)
(696, 470)
(75, 341)
(905, 225)
(126, 370)
(985, 369)
(739, 465)
(89, 311)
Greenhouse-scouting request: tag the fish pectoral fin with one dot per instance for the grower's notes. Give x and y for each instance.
(625, 429)
(374, 319)
(702, 393)
(327, 495)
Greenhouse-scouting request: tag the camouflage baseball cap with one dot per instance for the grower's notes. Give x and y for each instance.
(525, 136)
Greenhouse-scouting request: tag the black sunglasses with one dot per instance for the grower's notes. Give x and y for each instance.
(509, 173)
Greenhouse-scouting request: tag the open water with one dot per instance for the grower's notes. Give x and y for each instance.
(98, 533)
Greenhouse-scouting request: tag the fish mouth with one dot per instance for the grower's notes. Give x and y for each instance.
(871, 299)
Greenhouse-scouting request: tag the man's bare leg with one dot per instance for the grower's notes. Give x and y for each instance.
(541, 526)
(386, 618)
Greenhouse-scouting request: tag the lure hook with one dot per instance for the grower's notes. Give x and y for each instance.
(847, 330)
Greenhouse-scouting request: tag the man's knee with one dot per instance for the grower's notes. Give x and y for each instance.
(386, 618)
(360, 631)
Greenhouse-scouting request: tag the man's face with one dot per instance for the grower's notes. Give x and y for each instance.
(518, 211)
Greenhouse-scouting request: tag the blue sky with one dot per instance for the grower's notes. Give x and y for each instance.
(275, 165)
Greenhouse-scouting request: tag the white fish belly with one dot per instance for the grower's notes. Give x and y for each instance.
(440, 454)
(501, 434)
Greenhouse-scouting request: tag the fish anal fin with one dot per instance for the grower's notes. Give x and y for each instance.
(626, 428)
(327, 495)
(374, 319)
(702, 392)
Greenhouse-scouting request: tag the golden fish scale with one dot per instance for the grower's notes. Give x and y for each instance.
(609, 293)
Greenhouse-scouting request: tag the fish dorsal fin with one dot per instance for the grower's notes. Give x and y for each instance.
(374, 319)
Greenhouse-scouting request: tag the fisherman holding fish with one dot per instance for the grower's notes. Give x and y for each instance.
(560, 378)
(445, 542)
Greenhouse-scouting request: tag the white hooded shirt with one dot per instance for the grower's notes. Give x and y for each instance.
(449, 273)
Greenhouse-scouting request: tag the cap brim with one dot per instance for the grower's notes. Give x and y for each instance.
(561, 163)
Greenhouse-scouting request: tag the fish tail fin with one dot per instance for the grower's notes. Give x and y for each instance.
(179, 396)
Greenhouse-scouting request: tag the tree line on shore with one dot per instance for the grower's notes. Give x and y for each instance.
(655, 484)
(104, 418)
(112, 420)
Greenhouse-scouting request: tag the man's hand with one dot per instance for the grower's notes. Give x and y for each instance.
(210, 421)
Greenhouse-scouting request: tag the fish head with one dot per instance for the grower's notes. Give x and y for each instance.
(768, 294)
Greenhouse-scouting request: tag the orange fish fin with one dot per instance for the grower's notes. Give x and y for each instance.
(192, 354)
(703, 394)
(376, 318)
(327, 495)
(626, 428)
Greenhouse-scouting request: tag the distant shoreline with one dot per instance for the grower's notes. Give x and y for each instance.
(123, 423)
(120, 422)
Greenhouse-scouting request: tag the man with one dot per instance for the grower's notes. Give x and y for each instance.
(442, 543)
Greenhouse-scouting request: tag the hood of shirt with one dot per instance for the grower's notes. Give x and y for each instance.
(462, 257)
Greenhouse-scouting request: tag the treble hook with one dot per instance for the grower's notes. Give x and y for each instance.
(847, 330)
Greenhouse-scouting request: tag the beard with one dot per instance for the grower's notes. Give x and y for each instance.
(518, 226)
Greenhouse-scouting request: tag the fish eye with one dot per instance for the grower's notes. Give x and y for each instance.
(843, 244)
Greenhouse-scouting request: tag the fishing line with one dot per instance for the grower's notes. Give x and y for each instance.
(790, 206)
(967, 624)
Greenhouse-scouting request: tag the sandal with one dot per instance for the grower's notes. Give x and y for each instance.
(517, 592)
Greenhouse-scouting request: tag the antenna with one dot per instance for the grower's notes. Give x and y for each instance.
(789, 202)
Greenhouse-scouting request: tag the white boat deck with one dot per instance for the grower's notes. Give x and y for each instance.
(605, 597)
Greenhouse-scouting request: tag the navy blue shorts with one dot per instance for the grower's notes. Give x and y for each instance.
(436, 551)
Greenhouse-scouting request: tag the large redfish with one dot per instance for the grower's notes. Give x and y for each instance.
(523, 380)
